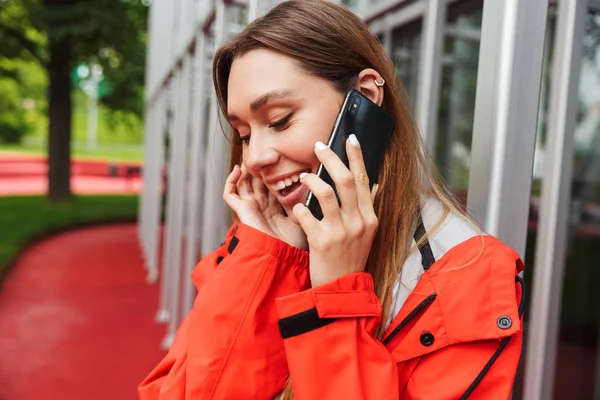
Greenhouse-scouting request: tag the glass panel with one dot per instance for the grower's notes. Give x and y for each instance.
(577, 368)
(577, 372)
(457, 97)
(536, 187)
(406, 47)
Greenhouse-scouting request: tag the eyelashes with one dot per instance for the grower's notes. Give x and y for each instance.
(282, 123)
(279, 125)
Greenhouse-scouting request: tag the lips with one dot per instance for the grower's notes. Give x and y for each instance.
(286, 182)
(288, 189)
(292, 195)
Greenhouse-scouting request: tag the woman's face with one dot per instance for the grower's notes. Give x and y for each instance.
(280, 111)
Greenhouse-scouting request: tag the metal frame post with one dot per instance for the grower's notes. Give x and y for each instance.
(215, 212)
(152, 191)
(554, 203)
(506, 109)
(195, 181)
(156, 192)
(430, 74)
(180, 147)
(172, 94)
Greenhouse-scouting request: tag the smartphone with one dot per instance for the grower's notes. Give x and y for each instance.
(373, 128)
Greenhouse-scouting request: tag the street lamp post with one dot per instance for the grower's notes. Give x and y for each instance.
(90, 79)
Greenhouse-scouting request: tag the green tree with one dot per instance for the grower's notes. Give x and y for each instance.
(58, 34)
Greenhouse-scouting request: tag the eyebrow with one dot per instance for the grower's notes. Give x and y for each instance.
(262, 100)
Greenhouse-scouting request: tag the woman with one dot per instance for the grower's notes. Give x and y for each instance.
(394, 294)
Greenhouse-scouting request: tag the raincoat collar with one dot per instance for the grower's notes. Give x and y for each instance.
(472, 297)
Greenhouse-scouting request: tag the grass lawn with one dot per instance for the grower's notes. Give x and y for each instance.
(116, 153)
(24, 219)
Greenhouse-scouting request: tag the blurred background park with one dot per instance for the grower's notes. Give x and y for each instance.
(112, 165)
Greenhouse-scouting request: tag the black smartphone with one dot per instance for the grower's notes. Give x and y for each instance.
(373, 128)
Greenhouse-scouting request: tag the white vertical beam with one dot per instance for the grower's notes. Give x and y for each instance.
(149, 128)
(362, 7)
(430, 71)
(506, 109)
(154, 181)
(195, 181)
(387, 37)
(253, 8)
(215, 216)
(180, 148)
(172, 94)
(555, 199)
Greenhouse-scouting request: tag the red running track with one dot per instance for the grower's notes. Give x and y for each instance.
(76, 318)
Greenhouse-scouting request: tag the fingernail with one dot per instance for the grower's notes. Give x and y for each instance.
(320, 146)
(353, 140)
(302, 175)
(235, 167)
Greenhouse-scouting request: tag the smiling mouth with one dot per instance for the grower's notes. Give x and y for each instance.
(287, 185)
(289, 189)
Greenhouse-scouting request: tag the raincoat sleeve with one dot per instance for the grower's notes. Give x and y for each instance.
(329, 342)
(332, 352)
(229, 347)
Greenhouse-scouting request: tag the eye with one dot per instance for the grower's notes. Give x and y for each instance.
(282, 123)
(245, 139)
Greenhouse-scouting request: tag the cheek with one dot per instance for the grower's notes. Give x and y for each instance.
(300, 140)
(300, 148)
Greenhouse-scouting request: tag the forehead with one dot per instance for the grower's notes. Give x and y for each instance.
(261, 71)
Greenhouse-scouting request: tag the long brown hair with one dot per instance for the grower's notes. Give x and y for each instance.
(330, 42)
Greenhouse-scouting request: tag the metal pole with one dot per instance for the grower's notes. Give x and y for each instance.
(506, 106)
(197, 151)
(555, 199)
(215, 215)
(162, 315)
(180, 148)
(92, 127)
(149, 128)
(430, 71)
(253, 11)
(154, 182)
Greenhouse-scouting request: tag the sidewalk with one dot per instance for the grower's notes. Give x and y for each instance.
(76, 318)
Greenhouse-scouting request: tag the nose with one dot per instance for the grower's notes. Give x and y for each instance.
(260, 153)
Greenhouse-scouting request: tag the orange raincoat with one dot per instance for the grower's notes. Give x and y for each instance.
(256, 321)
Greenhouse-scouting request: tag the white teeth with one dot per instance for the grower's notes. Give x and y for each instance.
(282, 184)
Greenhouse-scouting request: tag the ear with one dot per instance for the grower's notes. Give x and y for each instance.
(367, 86)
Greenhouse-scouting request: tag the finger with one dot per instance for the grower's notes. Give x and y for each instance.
(374, 192)
(231, 181)
(342, 177)
(324, 194)
(359, 171)
(307, 221)
(258, 186)
(234, 202)
(243, 185)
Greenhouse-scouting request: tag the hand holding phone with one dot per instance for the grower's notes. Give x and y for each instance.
(373, 128)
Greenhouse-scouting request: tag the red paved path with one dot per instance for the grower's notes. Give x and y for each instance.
(25, 174)
(76, 318)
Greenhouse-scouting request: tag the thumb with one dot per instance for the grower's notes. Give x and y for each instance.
(305, 218)
(234, 202)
